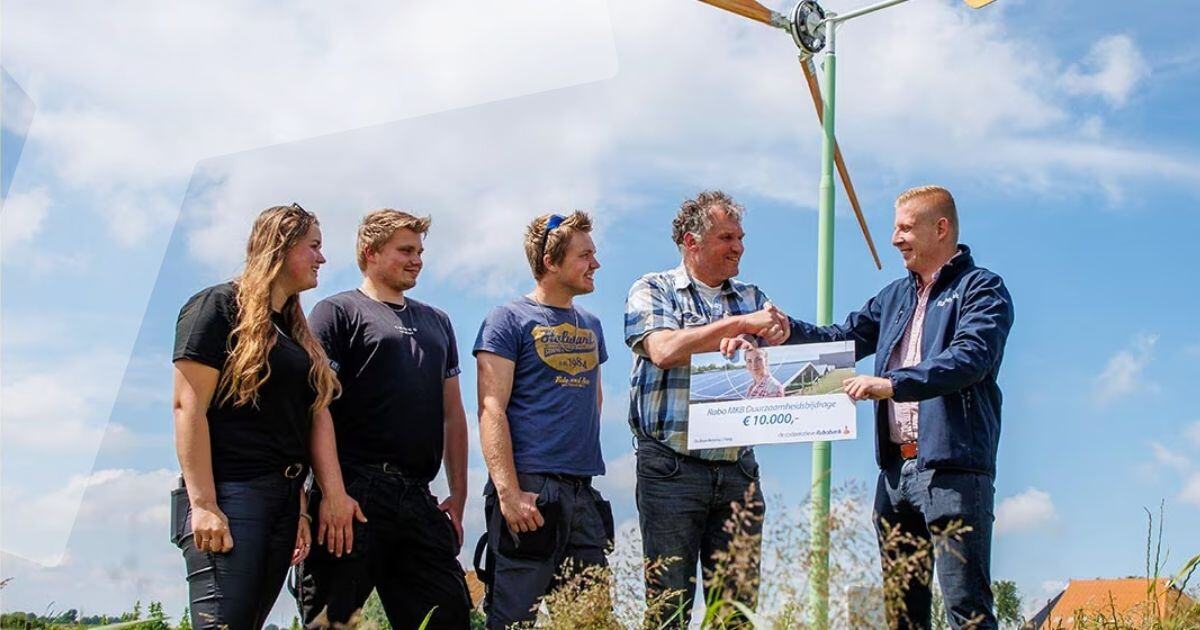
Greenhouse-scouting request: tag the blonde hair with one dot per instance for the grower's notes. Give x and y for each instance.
(556, 240)
(935, 198)
(275, 232)
(379, 226)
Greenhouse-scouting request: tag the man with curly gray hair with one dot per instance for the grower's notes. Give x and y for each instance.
(684, 496)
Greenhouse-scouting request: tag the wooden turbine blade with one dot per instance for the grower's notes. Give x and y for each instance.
(976, 4)
(748, 9)
(814, 89)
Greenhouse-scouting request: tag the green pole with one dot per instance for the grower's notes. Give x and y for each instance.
(821, 460)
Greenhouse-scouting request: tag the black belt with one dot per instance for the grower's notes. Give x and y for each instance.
(575, 480)
(392, 470)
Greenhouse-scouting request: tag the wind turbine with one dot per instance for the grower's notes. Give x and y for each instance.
(814, 29)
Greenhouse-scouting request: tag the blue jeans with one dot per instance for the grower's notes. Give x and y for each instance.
(925, 501)
(236, 590)
(683, 505)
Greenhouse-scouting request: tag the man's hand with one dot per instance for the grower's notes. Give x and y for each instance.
(303, 541)
(730, 345)
(453, 507)
(768, 323)
(336, 529)
(520, 510)
(868, 388)
(210, 529)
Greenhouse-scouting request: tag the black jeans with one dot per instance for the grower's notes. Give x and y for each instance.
(407, 551)
(683, 505)
(578, 529)
(236, 590)
(921, 501)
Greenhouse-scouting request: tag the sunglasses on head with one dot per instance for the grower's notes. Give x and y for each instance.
(552, 224)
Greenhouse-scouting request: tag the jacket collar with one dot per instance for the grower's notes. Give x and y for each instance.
(956, 265)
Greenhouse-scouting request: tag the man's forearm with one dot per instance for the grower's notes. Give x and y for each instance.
(455, 455)
(674, 348)
(497, 451)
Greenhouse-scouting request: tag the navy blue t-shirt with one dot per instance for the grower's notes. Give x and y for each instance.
(393, 361)
(553, 415)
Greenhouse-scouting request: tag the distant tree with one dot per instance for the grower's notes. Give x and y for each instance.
(1008, 603)
(185, 622)
(270, 626)
(296, 624)
(157, 619)
(134, 614)
(68, 618)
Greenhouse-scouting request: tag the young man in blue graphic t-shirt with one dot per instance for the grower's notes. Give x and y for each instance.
(539, 362)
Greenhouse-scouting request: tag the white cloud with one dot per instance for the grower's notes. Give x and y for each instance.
(1112, 69)
(1191, 490)
(55, 416)
(22, 216)
(620, 477)
(123, 123)
(1053, 587)
(1122, 375)
(1192, 433)
(1169, 458)
(1029, 510)
(119, 550)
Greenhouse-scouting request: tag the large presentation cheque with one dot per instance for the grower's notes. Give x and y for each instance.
(771, 396)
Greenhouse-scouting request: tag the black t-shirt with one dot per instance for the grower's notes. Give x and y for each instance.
(249, 441)
(392, 362)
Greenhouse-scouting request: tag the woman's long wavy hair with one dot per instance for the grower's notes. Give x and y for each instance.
(275, 232)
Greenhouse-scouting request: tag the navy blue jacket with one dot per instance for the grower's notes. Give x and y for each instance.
(967, 319)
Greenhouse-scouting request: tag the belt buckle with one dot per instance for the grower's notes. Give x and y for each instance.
(908, 450)
(390, 469)
(293, 471)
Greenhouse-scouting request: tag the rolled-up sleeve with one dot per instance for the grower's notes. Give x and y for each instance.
(649, 307)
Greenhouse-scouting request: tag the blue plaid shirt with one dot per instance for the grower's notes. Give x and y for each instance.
(658, 399)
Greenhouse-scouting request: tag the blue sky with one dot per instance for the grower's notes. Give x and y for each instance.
(1066, 132)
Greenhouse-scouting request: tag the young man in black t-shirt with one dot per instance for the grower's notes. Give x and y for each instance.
(400, 414)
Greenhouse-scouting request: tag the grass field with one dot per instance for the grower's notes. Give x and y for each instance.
(827, 384)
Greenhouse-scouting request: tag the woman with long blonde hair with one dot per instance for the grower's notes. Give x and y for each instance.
(251, 385)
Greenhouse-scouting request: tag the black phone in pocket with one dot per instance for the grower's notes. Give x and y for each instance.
(179, 514)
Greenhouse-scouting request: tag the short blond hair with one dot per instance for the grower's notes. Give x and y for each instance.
(379, 226)
(556, 240)
(935, 198)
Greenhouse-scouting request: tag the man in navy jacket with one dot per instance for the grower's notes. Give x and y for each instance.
(938, 338)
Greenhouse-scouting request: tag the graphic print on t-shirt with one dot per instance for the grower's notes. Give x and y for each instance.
(567, 349)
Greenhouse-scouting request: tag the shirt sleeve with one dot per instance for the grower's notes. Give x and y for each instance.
(330, 326)
(984, 321)
(202, 331)
(452, 365)
(499, 335)
(647, 309)
(600, 346)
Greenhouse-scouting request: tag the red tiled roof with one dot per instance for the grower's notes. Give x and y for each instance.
(1130, 599)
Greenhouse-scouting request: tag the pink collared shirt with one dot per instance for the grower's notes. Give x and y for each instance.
(903, 417)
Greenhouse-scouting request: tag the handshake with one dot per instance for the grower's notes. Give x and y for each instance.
(768, 324)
